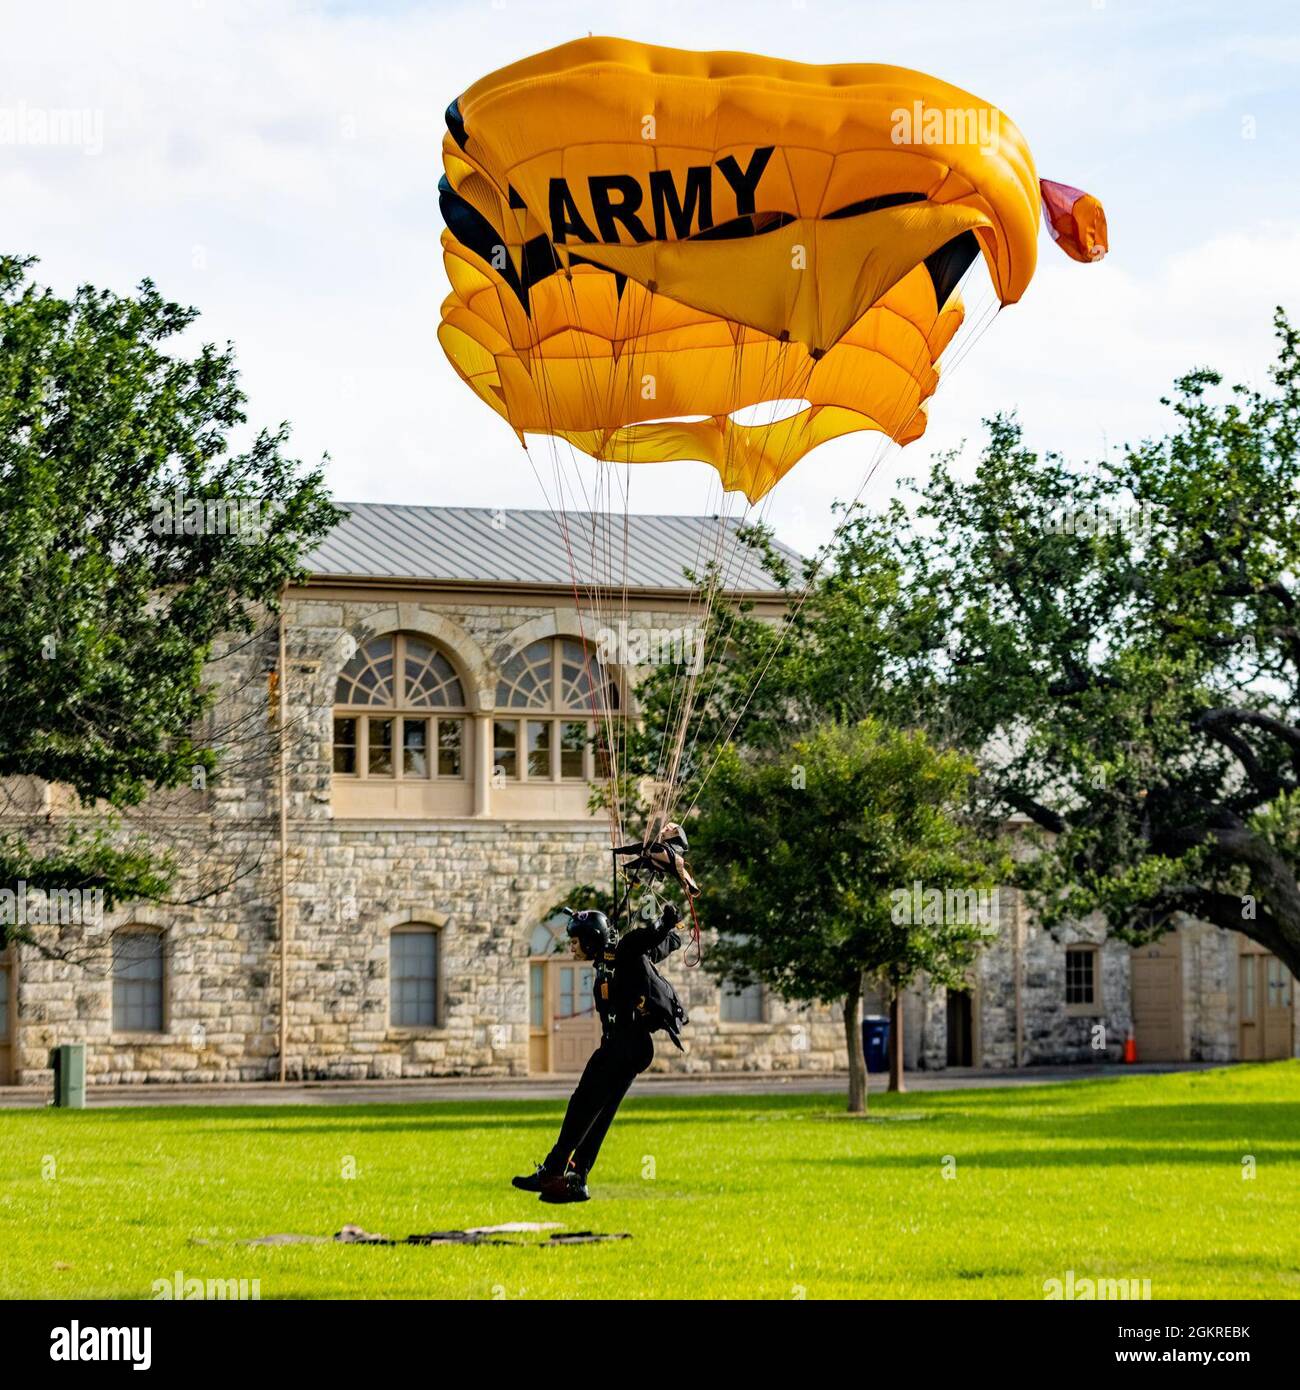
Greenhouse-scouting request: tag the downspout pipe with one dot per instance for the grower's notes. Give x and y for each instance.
(283, 759)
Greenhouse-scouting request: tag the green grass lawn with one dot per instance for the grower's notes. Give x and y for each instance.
(724, 1196)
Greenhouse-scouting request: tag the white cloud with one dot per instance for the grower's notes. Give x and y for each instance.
(276, 164)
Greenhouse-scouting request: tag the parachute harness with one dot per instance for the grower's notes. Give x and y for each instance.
(651, 862)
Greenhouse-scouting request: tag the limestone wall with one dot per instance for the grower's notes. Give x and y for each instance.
(482, 883)
(1209, 961)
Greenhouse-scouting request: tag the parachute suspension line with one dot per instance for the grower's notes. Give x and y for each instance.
(613, 811)
(728, 581)
(724, 738)
(603, 566)
(722, 634)
(714, 580)
(694, 615)
(600, 702)
(601, 715)
(703, 579)
(711, 584)
(638, 336)
(601, 511)
(988, 316)
(677, 734)
(792, 618)
(984, 320)
(634, 336)
(719, 579)
(747, 553)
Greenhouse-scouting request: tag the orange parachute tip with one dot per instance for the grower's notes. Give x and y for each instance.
(1076, 221)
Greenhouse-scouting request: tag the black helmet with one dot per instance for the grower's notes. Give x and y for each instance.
(592, 932)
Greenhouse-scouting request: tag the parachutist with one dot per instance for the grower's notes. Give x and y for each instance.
(634, 1001)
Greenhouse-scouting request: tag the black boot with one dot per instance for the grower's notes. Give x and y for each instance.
(569, 1186)
(537, 1180)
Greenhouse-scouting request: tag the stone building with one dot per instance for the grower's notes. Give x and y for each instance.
(366, 889)
(1076, 996)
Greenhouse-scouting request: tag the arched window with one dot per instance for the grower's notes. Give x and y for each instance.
(139, 980)
(550, 683)
(549, 938)
(399, 713)
(413, 977)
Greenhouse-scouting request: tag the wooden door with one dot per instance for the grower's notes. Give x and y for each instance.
(1278, 1013)
(1251, 1039)
(539, 1025)
(575, 1024)
(1158, 1000)
(1265, 1009)
(564, 1027)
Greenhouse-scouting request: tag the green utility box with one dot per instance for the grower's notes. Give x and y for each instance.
(69, 1063)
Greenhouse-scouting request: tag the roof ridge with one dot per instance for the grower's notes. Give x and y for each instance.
(544, 511)
(533, 545)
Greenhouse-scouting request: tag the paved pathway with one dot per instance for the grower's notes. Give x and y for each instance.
(558, 1087)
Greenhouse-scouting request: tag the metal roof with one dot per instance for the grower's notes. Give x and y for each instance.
(491, 545)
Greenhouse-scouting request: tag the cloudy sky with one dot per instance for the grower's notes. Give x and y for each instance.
(275, 164)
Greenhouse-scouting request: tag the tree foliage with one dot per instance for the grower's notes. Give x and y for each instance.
(108, 610)
(812, 850)
(1125, 654)
(1116, 643)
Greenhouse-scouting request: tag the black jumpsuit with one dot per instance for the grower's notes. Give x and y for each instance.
(625, 1051)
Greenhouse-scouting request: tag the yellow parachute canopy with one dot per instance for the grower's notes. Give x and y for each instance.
(778, 195)
(638, 234)
(605, 364)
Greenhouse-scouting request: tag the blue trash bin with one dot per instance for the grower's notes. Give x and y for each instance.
(875, 1041)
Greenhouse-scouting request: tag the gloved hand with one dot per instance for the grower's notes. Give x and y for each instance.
(670, 916)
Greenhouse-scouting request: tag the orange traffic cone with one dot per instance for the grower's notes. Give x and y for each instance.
(1130, 1049)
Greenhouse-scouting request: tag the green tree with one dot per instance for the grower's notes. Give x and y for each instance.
(108, 610)
(813, 849)
(1124, 646)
